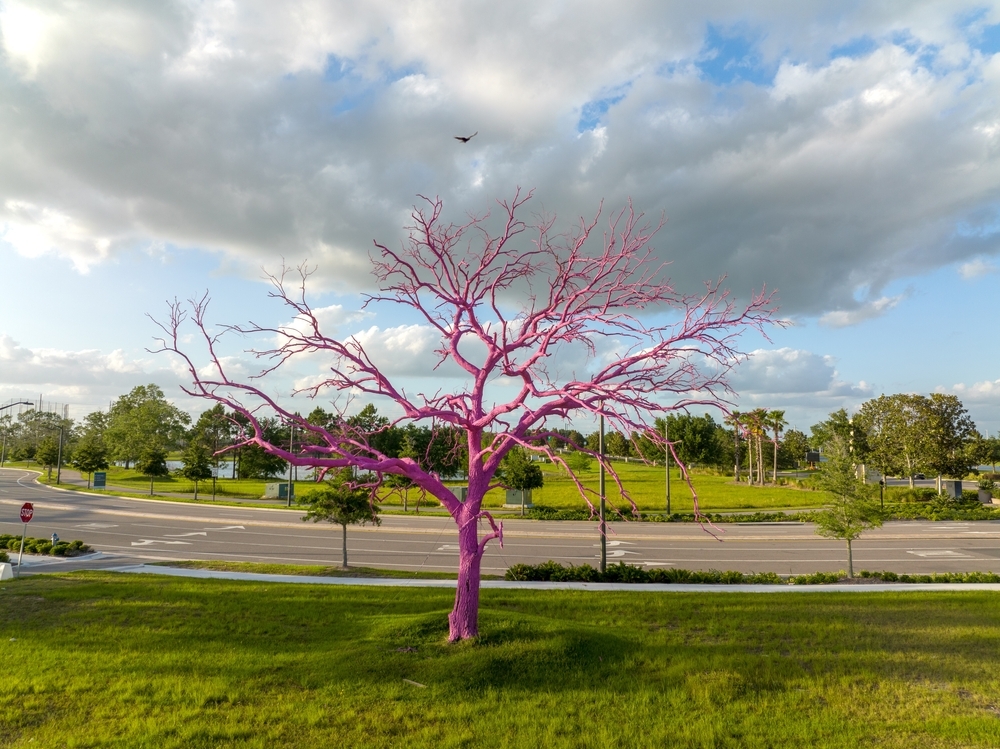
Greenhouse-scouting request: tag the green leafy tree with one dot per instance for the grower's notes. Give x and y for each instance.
(992, 454)
(152, 462)
(577, 462)
(949, 430)
(48, 453)
(836, 426)
(143, 421)
(617, 444)
(197, 463)
(520, 474)
(339, 500)
(792, 450)
(90, 455)
(852, 510)
(694, 439)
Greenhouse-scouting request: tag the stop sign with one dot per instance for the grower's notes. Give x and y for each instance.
(27, 511)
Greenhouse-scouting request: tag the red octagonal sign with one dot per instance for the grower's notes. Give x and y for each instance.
(27, 511)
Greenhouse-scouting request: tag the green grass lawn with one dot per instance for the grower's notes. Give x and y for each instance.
(645, 483)
(97, 659)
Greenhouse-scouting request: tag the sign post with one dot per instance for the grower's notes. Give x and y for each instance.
(27, 512)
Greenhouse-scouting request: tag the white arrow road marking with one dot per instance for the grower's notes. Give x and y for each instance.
(96, 525)
(147, 542)
(658, 564)
(621, 553)
(227, 528)
(184, 535)
(617, 543)
(448, 547)
(938, 553)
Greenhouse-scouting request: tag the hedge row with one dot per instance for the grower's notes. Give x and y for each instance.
(936, 509)
(541, 512)
(44, 546)
(626, 573)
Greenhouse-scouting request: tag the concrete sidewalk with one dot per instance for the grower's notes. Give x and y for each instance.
(395, 582)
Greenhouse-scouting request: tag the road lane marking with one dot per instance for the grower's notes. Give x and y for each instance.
(184, 535)
(938, 553)
(148, 541)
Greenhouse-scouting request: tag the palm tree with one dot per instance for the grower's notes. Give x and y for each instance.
(776, 420)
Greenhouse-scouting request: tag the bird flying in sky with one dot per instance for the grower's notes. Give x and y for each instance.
(466, 138)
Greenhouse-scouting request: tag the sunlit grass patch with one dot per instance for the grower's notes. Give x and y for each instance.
(95, 659)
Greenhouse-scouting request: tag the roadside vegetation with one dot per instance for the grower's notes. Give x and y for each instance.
(95, 660)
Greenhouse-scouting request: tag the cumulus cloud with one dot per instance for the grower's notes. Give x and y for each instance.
(826, 157)
(788, 374)
(976, 268)
(864, 311)
(87, 379)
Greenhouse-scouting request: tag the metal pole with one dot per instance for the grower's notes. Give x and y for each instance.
(3, 452)
(604, 526)
(291, 448)
(666, 458)
(20, 554)
(59, 459)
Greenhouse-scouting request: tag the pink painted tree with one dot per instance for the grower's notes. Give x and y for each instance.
(505, 305)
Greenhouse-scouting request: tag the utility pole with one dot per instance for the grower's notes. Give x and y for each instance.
(603, 524)
(59, 459)
(291, 449)
(666, 457)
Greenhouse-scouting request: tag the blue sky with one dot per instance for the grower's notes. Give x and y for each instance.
(846, 155)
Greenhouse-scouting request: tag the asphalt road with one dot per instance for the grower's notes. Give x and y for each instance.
(130, 530)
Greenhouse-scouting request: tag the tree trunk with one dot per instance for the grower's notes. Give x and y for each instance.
(151, 486)
(850, 560)
(463, 621)
(344, 526)
(195, 491)
(88, 481)
(774, 473)
(750, 461)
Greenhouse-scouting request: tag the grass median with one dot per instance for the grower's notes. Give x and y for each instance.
(96, 659)
(646, 484)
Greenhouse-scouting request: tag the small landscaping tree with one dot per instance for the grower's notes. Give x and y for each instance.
(519, 473)
(152, 462)
(340, 500)
(197, 463)
(89, 456)
(853, 510)
(47, 453)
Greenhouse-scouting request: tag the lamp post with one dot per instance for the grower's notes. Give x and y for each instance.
(666, 457)
(3, 450)
(291, 449)
(59, 458)
(604, 527)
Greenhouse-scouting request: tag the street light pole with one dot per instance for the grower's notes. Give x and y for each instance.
(291, 449)
(666, 457)
(604, 527)
(59, 458)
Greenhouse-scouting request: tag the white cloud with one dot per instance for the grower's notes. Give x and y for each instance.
(305, 129)
(86, 379)
(792, 373)
(976, 268)
(865, 311)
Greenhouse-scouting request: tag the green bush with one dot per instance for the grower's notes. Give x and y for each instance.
(43, 546)
(626, 573)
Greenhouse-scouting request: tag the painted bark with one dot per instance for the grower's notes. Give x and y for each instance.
(577, 288)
